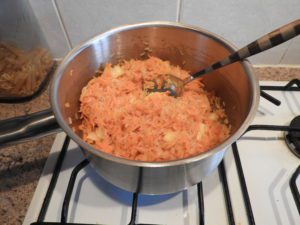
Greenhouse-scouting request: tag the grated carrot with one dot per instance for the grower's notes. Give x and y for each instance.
(120, 118)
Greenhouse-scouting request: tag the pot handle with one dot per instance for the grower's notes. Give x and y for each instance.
(23, 128)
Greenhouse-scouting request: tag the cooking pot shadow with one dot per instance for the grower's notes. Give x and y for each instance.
(115, 193)
(124, 197)
(88, 176)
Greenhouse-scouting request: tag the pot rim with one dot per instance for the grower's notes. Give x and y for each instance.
(80, 47)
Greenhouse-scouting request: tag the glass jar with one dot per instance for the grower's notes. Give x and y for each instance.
(26, 64)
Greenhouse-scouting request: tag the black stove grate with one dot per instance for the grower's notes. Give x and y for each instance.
(290, 86)
(243, 184)
(65, 207)
(221, 170)
(294, 189)
(84, 163)
(200, 203)
(54, 179)
(223, 178)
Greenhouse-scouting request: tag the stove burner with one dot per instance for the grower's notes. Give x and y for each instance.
(292, 138)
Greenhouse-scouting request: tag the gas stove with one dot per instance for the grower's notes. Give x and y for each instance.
(258, 181)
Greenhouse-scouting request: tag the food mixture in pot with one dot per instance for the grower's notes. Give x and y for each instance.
(120, 118)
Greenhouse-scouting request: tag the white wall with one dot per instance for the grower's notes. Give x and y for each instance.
(69, 22)
(241, 21)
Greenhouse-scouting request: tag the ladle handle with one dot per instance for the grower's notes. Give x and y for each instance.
(264, 43)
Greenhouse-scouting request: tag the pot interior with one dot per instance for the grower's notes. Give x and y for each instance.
(191, 49)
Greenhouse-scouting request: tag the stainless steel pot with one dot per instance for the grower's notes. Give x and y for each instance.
(190, 47)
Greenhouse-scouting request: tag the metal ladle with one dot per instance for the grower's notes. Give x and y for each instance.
(175, 85)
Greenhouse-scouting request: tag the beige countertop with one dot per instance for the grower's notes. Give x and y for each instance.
(22, 164)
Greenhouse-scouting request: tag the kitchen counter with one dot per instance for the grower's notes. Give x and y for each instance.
(22, 164)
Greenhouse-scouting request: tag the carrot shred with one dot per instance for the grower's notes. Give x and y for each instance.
(151, 127)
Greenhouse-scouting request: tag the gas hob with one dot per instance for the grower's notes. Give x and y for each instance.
(258, 181)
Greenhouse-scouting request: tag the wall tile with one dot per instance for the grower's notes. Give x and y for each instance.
(86, 18)
(19, 26)
(242, 21)
(281, 12)
(292, 55)
(50, 25)
(272, 56)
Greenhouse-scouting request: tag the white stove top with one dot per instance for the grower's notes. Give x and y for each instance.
(267, 163)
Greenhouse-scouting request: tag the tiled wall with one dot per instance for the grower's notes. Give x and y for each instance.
(69, 22)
